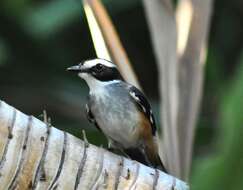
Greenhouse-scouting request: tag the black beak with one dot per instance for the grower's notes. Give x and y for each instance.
(75, 68)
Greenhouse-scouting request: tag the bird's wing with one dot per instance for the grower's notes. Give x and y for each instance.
(90, 116)
(143, 105)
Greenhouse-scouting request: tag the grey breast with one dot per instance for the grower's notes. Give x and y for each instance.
(114, 112)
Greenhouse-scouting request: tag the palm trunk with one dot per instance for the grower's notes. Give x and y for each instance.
(34, 155)
(180, 42)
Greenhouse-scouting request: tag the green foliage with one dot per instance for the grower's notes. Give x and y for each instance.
(224, 170)
(3, 52)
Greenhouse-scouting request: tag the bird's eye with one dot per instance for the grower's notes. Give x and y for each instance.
(99, 67)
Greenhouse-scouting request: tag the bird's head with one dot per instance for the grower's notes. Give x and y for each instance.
(96, 71)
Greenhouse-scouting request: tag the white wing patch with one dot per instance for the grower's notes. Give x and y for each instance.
(144, 110)
(151, 119)
(142, 102)
(134, 96)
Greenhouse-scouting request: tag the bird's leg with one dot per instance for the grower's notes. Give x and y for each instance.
(110, 145)
(85, 137)
(46, 119)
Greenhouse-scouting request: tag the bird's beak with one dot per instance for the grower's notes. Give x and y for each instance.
(75, 68)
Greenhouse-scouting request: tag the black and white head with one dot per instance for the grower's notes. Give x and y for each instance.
(97, 72)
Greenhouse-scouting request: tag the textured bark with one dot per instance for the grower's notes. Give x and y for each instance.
(34, 155)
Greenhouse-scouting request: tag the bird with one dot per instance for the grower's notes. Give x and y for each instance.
(120, 111)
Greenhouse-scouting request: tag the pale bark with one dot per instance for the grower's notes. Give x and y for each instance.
(161, 21)
(106, 40)
(193, 19)
(34, 155)
(181, 63)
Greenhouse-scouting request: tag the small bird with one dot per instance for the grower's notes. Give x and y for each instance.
(120, 111)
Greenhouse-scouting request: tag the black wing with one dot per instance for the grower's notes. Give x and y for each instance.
(90, 116)
(143, 105)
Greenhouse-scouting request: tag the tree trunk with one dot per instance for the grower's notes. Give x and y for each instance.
(34, 155)
(180, 40)
(162, 24)
(194, 17)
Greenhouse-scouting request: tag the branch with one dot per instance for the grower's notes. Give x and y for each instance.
(34, 155)
(181, 63)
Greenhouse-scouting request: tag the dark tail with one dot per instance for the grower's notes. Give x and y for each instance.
(159, 164)
(137, 154)
(146, 157)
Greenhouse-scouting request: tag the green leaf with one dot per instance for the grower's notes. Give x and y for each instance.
(224, 170)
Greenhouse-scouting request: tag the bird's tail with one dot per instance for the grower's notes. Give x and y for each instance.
(152, 155)
(147, 155)
(137, 154)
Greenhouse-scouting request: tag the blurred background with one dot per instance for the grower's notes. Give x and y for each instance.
(39, 39)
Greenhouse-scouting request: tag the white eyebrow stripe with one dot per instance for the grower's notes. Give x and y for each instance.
(93, 62)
